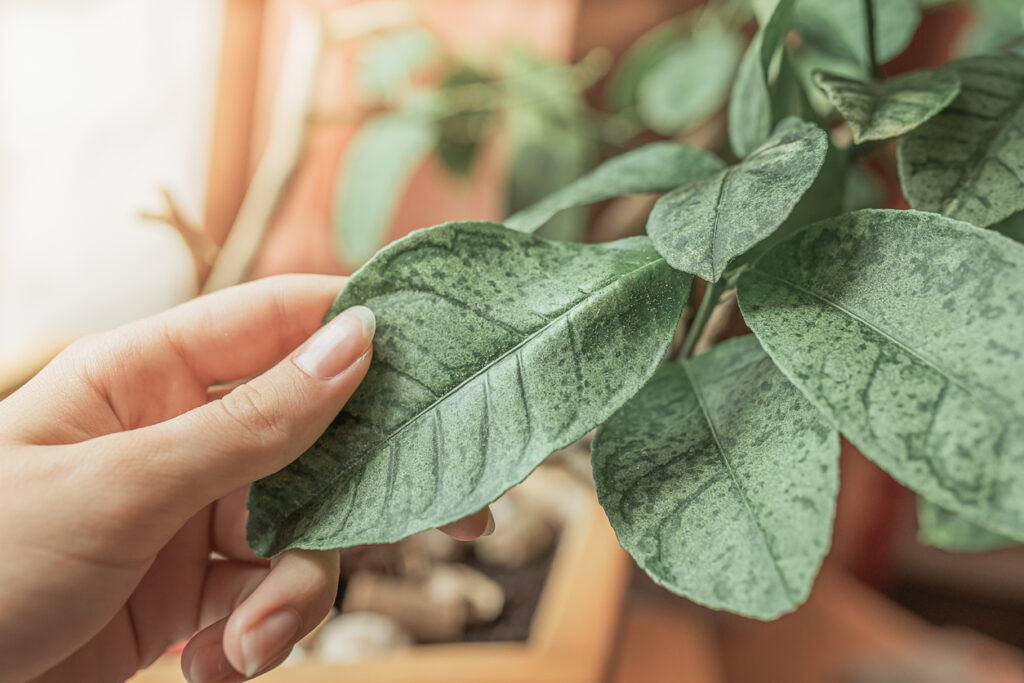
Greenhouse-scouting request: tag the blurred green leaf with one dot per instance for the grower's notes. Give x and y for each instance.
(839, 27)
(370, 181)
(388, 62)
(750, 106)
(691, 82)
(641, 58)
(937, 526)
(657, 167)
(462, 132)
(1012, 227)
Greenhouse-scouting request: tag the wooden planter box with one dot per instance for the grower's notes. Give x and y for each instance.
(570, 640)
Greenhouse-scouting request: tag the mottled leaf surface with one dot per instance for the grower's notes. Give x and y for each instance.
(750, 106)
(699, 228)
(841, 27)
(657, 167)
(691, 82)
(371, 179)
(904, 329)
(877, 111)
(720, 479)
(493, 349)
(1012, 227)
(941, 528)
(967, 162)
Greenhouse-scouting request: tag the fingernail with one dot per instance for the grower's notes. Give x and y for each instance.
(209, 665)
(268, 640)
(338, 344)
(489, 529)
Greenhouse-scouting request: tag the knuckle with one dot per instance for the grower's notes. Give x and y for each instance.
(251, 409)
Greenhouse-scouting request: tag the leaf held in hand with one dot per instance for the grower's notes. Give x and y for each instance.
(493, 349)
(720, 479)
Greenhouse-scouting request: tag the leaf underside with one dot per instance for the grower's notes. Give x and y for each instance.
(877, 111)
(720, 479)
(967, 162)
(903, 328)
(657, 167)
(941, 528)
(700, 228)
(493, 349)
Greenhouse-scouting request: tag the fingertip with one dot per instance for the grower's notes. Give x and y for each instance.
(469, 528)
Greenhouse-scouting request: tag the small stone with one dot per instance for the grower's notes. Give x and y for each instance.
(352, 637)
(484, 596)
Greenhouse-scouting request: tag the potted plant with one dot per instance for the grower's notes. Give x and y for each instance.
(897, 329)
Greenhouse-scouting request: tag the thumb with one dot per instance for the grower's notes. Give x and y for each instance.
(260, 426)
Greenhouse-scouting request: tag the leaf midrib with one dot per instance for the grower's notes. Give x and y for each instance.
(482, 371)
(882, 332)
(787, 589)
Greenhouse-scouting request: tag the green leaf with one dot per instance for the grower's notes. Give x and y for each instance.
(388, 62)
(641, 58)
(700, 228)
(968, 161)
(691, 82)
(720, 480)
(840, 27)
(461, 132)
(904, 329)
(943, 529)
(750, 106)
(657, 167)
(493, 349)
(369, 184)
(876, 111)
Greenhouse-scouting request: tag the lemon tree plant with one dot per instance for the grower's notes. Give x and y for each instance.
(902, 330)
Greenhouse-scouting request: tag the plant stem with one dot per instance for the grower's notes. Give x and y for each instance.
(707, 304)
(869, 9)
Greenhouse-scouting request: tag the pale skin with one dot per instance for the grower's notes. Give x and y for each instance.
(123, 471)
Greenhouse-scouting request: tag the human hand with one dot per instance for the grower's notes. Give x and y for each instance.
(123, 473)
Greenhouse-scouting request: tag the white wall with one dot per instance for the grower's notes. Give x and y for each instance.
(102, 103)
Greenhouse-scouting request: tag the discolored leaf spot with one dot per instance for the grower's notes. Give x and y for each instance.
(941, 528)
(720, 479)
(876, 111)
(967, 162)
(904, 329)
(493, 349)
(699, 228)
(657, 167)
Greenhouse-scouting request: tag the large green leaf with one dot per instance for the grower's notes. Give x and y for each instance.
(720, 479)
(904, 329)
(750, 106)
(657, 167)
(841, 28)
(700, 228)
(876, 111)
(370, 181)
(943, 529)
(968, 161)
(493, 349)
(691, 82)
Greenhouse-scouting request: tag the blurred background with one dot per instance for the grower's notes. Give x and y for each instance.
(151, 151)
